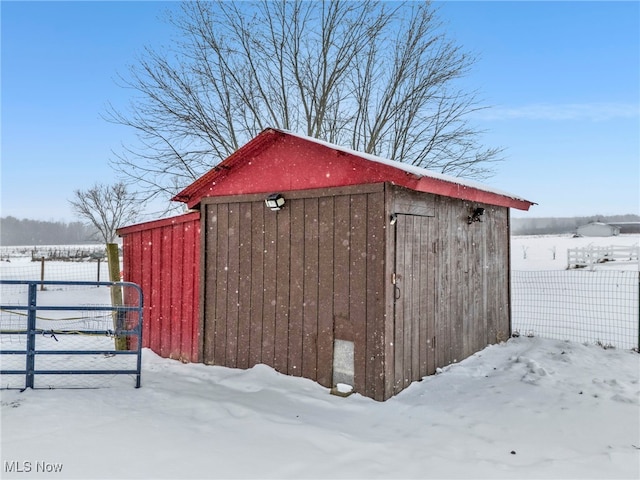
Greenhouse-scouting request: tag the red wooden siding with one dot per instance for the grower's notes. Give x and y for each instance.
(163, 257)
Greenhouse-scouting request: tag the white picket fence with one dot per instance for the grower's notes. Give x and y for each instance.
(592, 255)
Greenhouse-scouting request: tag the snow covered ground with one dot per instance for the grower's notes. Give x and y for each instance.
(549, 252)
(527, 408)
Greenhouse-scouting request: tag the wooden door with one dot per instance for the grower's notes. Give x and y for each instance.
(414, 287)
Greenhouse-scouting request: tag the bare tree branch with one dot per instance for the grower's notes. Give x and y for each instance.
(373, 76)
(106, 207)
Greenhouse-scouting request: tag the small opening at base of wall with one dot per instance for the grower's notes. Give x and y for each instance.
(342, 390)
(343, 368)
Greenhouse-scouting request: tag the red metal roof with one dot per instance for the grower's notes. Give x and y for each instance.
(163, 222)
(278, 161)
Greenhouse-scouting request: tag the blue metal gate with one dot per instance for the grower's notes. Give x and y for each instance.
(44, 334)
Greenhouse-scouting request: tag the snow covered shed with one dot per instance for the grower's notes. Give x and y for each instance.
(597, 229)
(362, 271)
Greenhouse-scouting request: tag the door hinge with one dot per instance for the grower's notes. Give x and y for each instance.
(393, 278)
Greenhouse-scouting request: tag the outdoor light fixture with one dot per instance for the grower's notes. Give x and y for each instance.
(275, 201)
(476, 216)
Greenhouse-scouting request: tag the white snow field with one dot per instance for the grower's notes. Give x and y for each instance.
(526, 408)
(536, 252)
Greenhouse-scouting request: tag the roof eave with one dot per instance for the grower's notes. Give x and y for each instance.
(222, 169)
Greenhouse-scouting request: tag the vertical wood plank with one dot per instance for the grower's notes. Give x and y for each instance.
(221, 284)
(244, 284)
(506, 255)
(408, 297)
(166, 263)
(311, 286)
(270, 279)
(501, 233)
(443, 316)
(187, 275)
(326, 257)
(417, 295)
(422, 302)
(493, 288)
(376, 223)
(198, 297)
(283, 249)
(190, 242)
(296, 287)
(257, 281)
(145, 284)
(459, 286)
(431, 295)
(477, 268)
(389, 304)
(358, 286)
(341, 248)
(466, 289)
(156, 288)
(233, 272)
(399, 297)
(210, 287)
(177, 316)
(417, 331)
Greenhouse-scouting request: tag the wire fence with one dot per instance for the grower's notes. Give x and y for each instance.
(43, 269)
(588, 306)
(600, 307)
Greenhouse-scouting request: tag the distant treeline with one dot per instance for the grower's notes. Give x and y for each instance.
(14, 231)
(553, 225)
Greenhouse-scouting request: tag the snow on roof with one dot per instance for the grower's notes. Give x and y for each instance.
(427, 181)
(417, 171)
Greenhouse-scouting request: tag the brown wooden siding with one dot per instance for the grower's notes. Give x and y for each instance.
(279, 287)
(414, 299)
(452, 293)
(471, 278)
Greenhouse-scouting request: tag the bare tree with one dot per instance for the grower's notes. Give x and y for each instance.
(373, 76)
(106, 207)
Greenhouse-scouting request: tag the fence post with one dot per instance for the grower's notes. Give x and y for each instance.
(113, 258)
(41, 273)
(31, 335)
(99, 272)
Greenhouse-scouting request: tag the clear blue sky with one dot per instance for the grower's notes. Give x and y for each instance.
(563, 79)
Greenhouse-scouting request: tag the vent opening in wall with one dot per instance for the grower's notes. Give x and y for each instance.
(343, 367)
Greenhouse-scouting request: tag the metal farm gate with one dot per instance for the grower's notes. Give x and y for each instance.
(62, 334)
